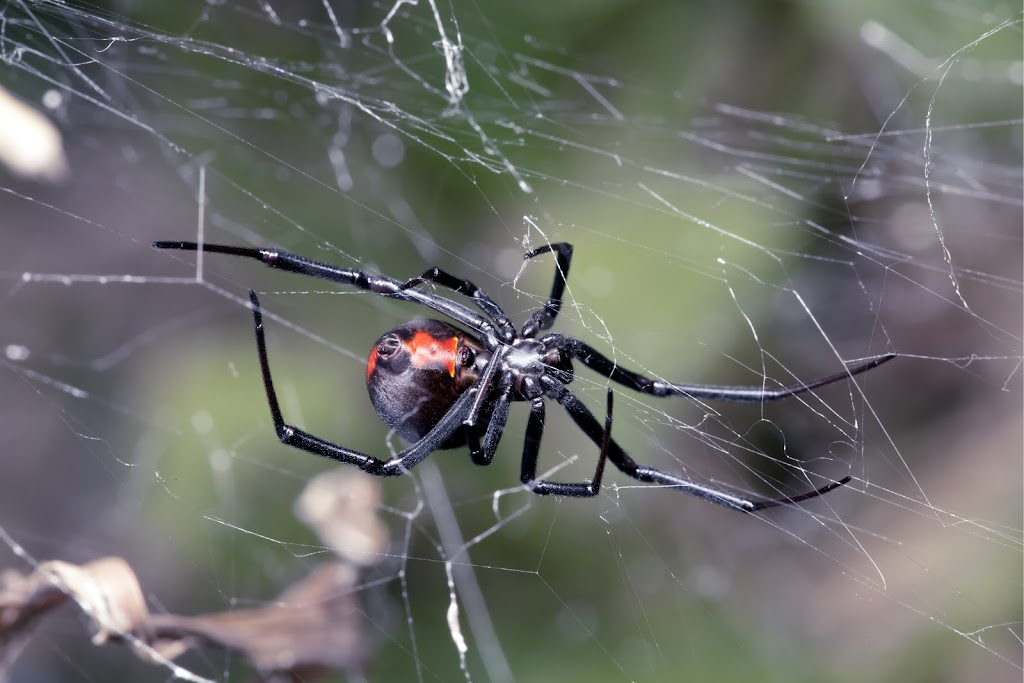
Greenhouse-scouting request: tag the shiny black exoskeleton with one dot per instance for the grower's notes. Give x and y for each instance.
(439, 386)
(417, 371)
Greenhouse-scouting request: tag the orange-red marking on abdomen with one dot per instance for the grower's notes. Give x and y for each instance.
(371, 364)
(426, 350)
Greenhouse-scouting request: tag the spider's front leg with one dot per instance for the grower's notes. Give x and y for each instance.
(484, 302)
(544, 317)
(596, 361)
(378, 284)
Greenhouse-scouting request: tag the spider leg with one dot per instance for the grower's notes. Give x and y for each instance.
(608, 368)
(544, 317)
(531, 449)
(479, 297)
(297, 438)
(586, 421)
(482, 455)
(499, 411)
(378, 284)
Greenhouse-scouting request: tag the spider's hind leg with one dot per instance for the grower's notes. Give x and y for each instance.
(297, 438)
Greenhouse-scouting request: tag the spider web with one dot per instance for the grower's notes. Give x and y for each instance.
(755, 197)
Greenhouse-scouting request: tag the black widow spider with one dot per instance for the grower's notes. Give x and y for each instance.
(435, 384)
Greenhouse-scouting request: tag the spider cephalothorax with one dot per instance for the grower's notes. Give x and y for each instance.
(439, 386)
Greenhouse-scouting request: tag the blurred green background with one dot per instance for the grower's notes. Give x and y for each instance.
(749, 187)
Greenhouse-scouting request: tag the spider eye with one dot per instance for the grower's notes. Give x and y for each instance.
(466, 356)
(389, 346)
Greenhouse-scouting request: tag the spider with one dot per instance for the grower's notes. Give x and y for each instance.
(440, 387)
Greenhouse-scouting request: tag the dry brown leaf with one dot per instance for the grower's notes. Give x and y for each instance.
(105, 589)
(314, 625)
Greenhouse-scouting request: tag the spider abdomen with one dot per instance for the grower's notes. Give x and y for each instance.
(415, 373)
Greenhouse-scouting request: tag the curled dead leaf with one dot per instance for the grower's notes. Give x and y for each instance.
(315, 624)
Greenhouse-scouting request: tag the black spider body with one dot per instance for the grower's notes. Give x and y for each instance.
(417, 371)
(440, 386)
